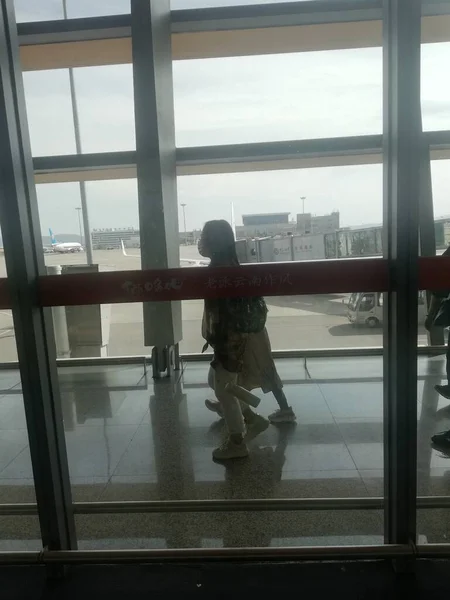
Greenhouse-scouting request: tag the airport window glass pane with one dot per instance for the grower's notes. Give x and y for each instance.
(256, 98)
(432, 413)
(440, 179)
(435, 90)
(432, 418)
(49, 10)
(335, 224)
(49, 108)
(105, 107)
(131, 438)
(113, 214)
(432, 388)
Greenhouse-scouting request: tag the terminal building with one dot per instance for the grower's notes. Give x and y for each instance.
(106, 460)
(274, 224)
(308, 224)
(109, 239)
(264, 225)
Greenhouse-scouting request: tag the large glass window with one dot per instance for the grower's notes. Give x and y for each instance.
(277, 97)
(435, 91)
(104, 97)
(433, 413)
(440, 178)
(320, 207)
(130, 437)
(335, 218)
(94, 331)
(432, 410)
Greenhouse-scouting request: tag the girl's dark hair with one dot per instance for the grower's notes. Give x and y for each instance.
(218, 237)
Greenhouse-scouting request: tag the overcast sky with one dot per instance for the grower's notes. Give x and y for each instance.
(221, 101)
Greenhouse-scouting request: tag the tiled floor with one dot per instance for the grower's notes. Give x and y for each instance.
(130, 439)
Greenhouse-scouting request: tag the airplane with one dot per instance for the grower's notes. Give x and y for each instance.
(188, 261)
(64, 247)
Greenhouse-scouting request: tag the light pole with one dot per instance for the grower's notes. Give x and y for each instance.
(78, 209)
(76, 127)
(183, 206)
(303, 198)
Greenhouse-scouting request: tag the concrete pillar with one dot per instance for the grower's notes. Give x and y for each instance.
(155, 157)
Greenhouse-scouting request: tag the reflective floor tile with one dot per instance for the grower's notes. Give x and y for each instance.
(12, 444)
(354, 399)
(228, 530)
(367, 456)
(368, 367)
(12, 412)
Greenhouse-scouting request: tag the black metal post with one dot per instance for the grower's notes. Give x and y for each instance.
(33, 325)
(402, 151)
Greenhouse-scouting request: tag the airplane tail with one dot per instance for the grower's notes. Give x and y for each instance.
(190, 261)
(52, 237)
(233, 222)
(125, 253)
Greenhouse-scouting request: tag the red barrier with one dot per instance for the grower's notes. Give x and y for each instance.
(434, 273)
(269, 279)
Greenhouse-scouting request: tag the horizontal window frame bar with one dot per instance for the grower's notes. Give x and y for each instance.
(257, 16)
(197, 555)
(146, 359)
(221, 32)
(232, 158)
(214, 19)
(225, 505)
(203, 19)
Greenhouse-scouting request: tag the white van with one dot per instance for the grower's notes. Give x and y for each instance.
(366, 308)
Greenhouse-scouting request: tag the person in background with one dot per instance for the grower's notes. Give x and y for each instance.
(242, 356)
(440, 439)
(436, 299)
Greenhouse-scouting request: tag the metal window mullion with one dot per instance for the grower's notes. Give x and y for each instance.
(401, 154)
(33, 324)
(156, 159)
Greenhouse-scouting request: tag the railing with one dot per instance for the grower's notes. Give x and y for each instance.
(266, 279)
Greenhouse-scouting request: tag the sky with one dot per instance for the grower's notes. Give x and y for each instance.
(222, 101)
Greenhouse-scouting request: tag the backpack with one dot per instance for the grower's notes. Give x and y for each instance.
(247, 315)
